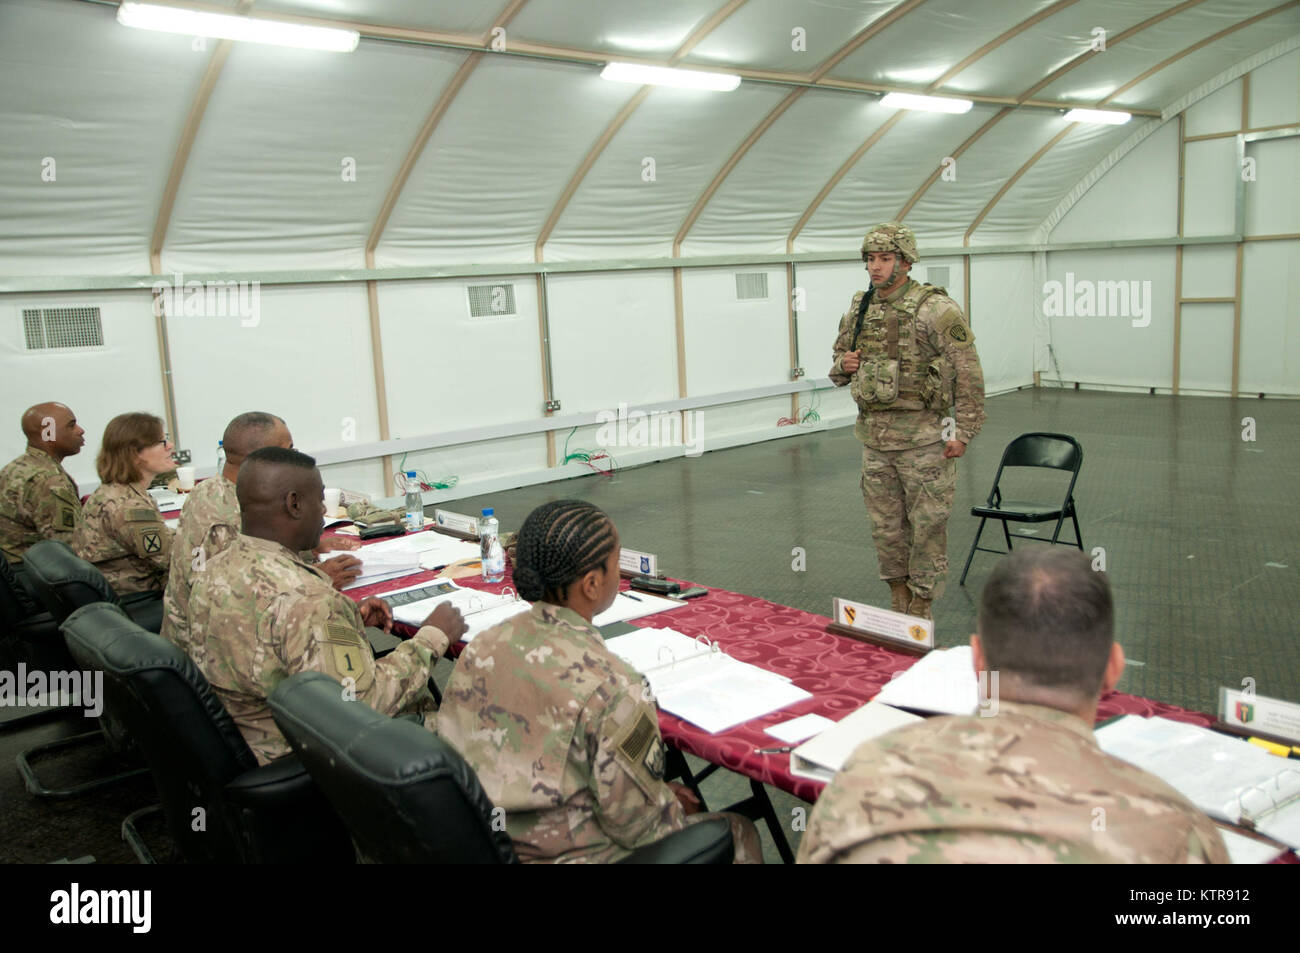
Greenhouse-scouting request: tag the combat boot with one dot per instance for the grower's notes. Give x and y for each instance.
(899, 595)
(920, 607)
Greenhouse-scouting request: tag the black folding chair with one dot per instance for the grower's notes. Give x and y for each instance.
(1056, 451)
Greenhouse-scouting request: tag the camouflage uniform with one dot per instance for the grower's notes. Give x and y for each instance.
(208, 524)
(1028, 785)
(38, 500)
(258, 614)
(918, 361)
(123, 534)
(564, 736)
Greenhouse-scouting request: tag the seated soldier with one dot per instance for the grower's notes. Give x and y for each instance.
(121, 532)
(1029, 783)
(38, 500)
(258, 613)
(210, 520)
(563, 734)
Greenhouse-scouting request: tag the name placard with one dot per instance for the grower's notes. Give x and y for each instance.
(638, 564)
(883, 625)
(1259, 715)
(457, 522)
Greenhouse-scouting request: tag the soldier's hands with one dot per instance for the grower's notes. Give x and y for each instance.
(342, 570)
(448, 618)
(954, 448)
(375, 611)
(685, 797)
(852, 360)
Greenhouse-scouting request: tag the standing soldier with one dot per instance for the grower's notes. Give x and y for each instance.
(909, 356)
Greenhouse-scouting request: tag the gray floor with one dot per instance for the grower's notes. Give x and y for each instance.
(1199, 530)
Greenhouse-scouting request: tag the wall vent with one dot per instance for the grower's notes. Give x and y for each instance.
(48, 328)
(751, 285)
(486, 301)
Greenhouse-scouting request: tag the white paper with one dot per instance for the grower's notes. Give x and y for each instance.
(481, 610)
(634, 606)
(649, 649)
(168, 500)
(799, 729)
(824, 755)
(172, 524)
(943, 681)
(1247, 850)
(1220, 774)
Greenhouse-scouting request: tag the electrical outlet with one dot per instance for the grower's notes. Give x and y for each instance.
(182, 457)
(552, 406)
(796, 373)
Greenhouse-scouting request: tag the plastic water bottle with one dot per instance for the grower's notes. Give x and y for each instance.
(221, 456)
(414, 504)
(494, 557)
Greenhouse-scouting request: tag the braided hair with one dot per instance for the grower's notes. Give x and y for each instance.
(558, 543)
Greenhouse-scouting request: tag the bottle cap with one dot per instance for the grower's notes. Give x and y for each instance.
(411, 474)
(488, 512)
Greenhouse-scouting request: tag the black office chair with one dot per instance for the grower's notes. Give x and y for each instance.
(409, 797)
(30, 636)
(1056, 451)
(220, 807)
(65, 582)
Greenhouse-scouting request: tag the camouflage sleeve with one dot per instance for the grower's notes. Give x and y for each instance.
(314, 634)
(140, 530)
(952, 337)
(844, 342)
(626, 754)
(54, 508)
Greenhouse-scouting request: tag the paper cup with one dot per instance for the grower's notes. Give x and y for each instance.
(332, 501)
(185, 476)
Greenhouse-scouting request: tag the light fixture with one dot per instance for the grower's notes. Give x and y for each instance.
(666, 76)
(1107, 116)
(150, 16)
(934, 104)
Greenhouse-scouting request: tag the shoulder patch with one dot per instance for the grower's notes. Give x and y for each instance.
(67, 517)
(637, 740)
(141, 515)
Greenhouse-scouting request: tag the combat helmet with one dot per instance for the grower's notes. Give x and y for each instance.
(891, 236)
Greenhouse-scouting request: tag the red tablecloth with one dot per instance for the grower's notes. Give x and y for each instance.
(842, 674)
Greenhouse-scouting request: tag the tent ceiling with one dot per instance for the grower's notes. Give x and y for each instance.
(530, 148)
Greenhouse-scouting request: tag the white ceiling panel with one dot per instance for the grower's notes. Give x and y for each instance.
(760, 34)
(617, 212)
(498, 162)
(445, 16)
(106, 104)
(633, 27)
(265, 186)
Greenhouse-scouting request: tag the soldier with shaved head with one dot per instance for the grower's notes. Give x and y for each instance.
(210, 520)
(1028, 783)
(38, 499)
(259, 613)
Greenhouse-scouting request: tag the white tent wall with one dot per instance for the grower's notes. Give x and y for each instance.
(96, 382)
(1002, 317)
(1137, 198)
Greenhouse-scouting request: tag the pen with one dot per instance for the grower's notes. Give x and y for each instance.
(632, 597)
(786, 750)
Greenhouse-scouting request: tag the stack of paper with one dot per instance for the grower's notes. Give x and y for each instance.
(700, 684)
(167, 499)
(1226, 777)
(481, 610)
(943, 681)
(823, 756)
(635, 605)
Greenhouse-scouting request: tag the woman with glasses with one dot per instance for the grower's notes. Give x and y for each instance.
(121, 531)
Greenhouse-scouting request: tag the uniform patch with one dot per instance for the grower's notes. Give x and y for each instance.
(655, 759)
(637, 742)
(958, 333)
(141, 516)
(150, 541)
(67, 517)
(348, 656)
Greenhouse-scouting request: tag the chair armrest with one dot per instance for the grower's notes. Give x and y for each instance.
(705, 842)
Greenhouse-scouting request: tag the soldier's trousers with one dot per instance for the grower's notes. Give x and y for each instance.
(909, 495)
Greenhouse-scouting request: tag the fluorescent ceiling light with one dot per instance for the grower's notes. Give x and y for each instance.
(664, 76)
(224, 26)
(1110, 117)
(934, 104)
